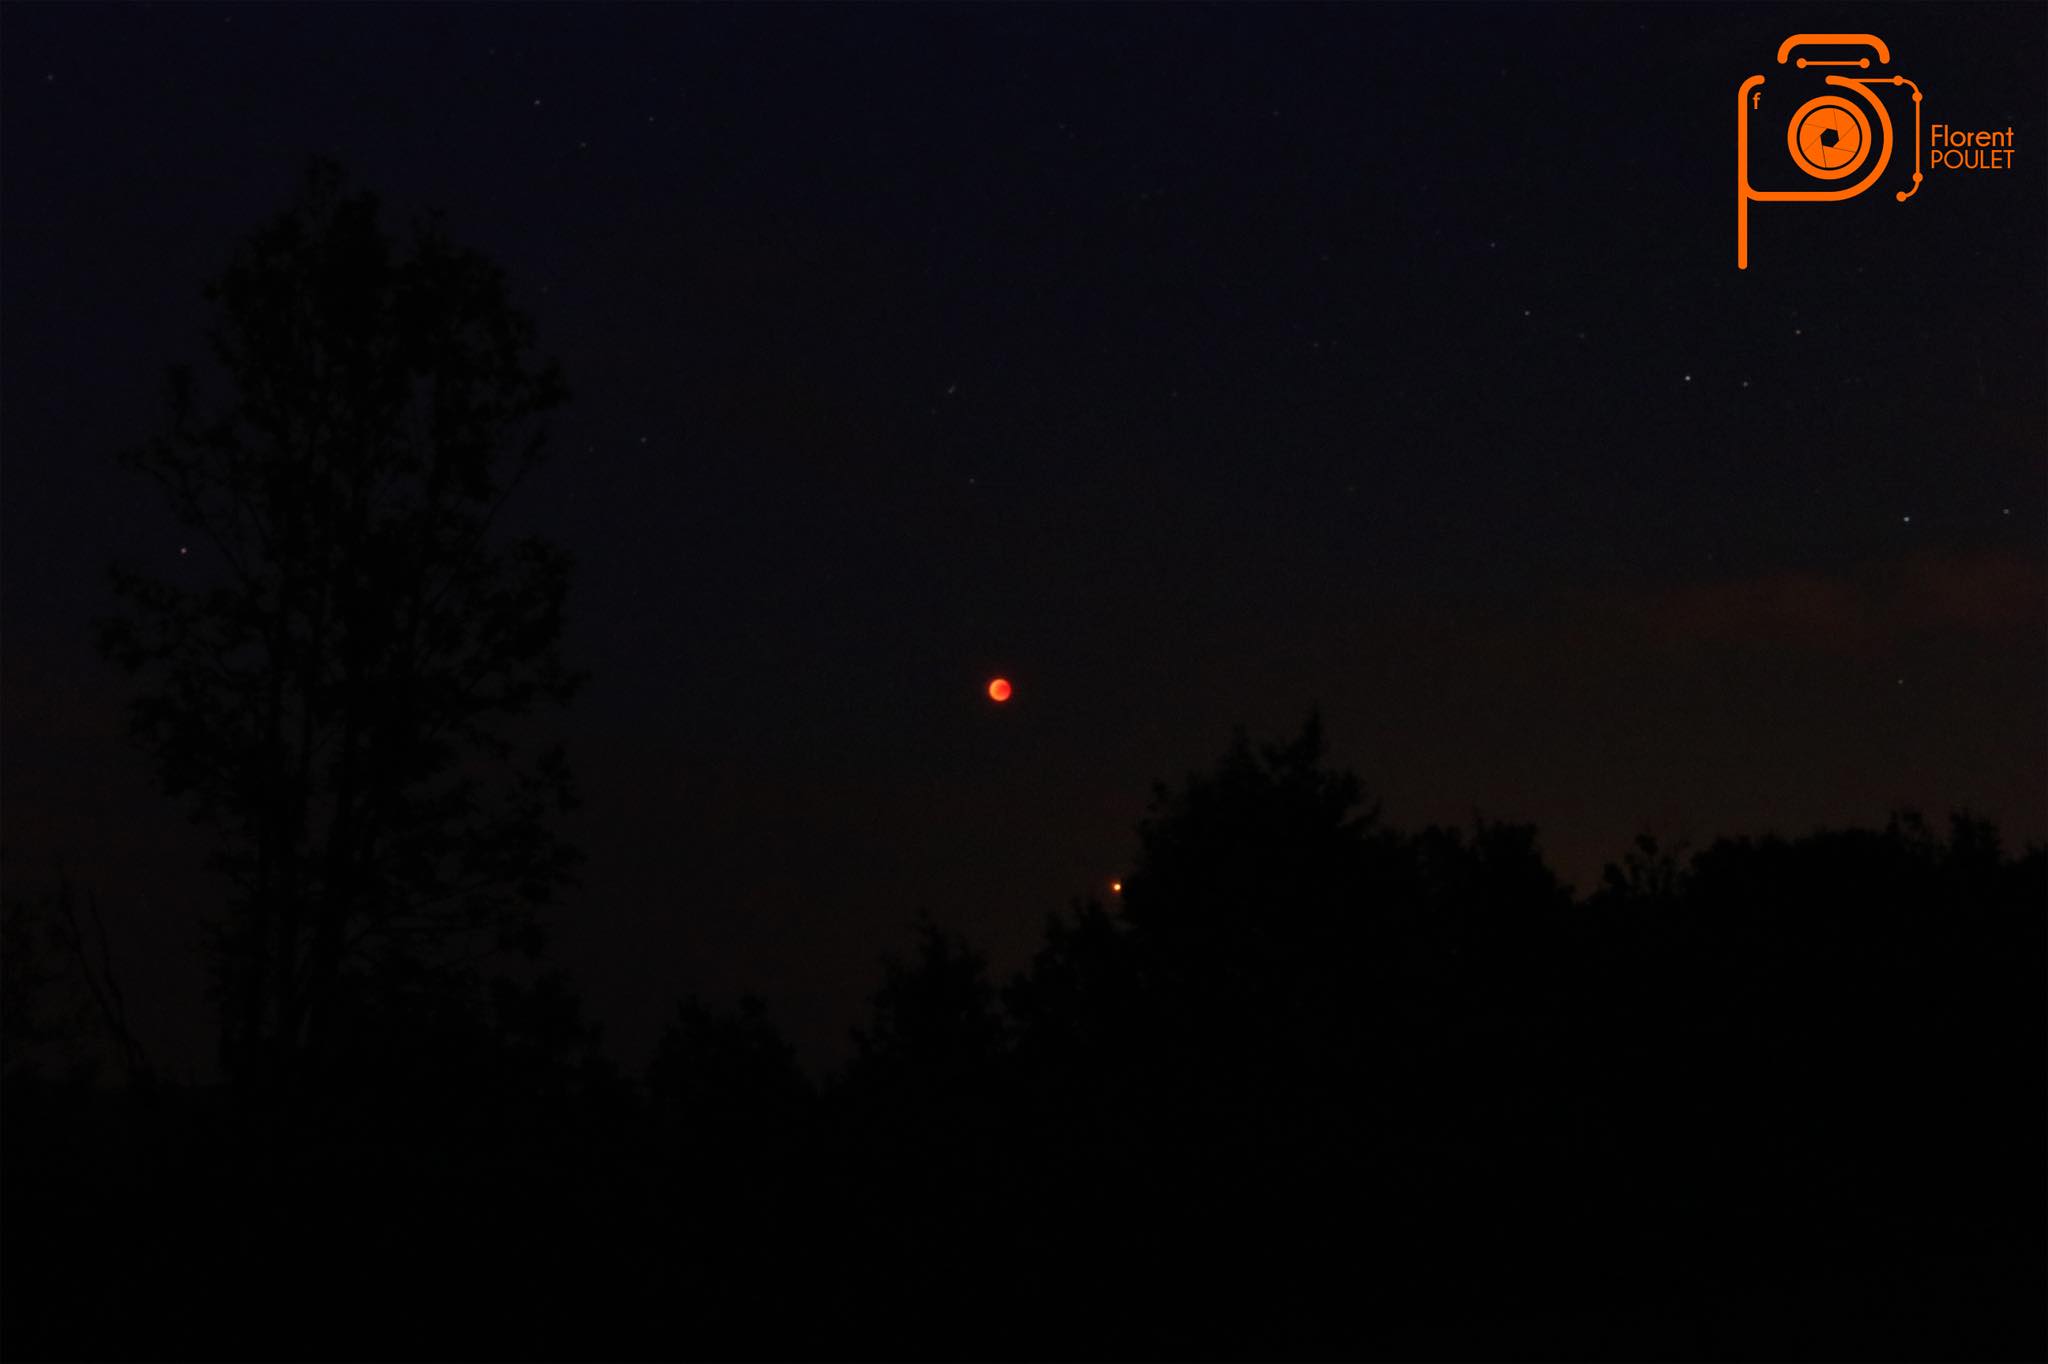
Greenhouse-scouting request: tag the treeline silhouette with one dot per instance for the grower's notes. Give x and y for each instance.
(1314, 1087)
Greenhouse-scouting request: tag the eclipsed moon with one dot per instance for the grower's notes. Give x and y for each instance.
(999, 690)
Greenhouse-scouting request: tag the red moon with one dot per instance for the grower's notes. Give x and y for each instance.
(999, 690)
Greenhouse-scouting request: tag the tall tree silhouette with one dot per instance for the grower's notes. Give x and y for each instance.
(335, 681)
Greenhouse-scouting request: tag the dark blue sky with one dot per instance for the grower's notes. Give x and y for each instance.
(1190, 366)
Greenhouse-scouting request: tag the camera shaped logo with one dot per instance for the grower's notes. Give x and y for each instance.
(1836, 111)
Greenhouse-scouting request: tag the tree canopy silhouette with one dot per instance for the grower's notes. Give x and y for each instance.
(334, 680)
(1315, 1086)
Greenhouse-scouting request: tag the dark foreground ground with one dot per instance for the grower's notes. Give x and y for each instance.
(1314, 1090)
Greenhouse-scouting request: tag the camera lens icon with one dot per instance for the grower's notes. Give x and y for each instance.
(1829, 138)
(1842, 132)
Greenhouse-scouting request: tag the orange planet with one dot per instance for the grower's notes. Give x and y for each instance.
(999, 690)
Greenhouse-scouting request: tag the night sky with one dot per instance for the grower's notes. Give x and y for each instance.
(1189, 367)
